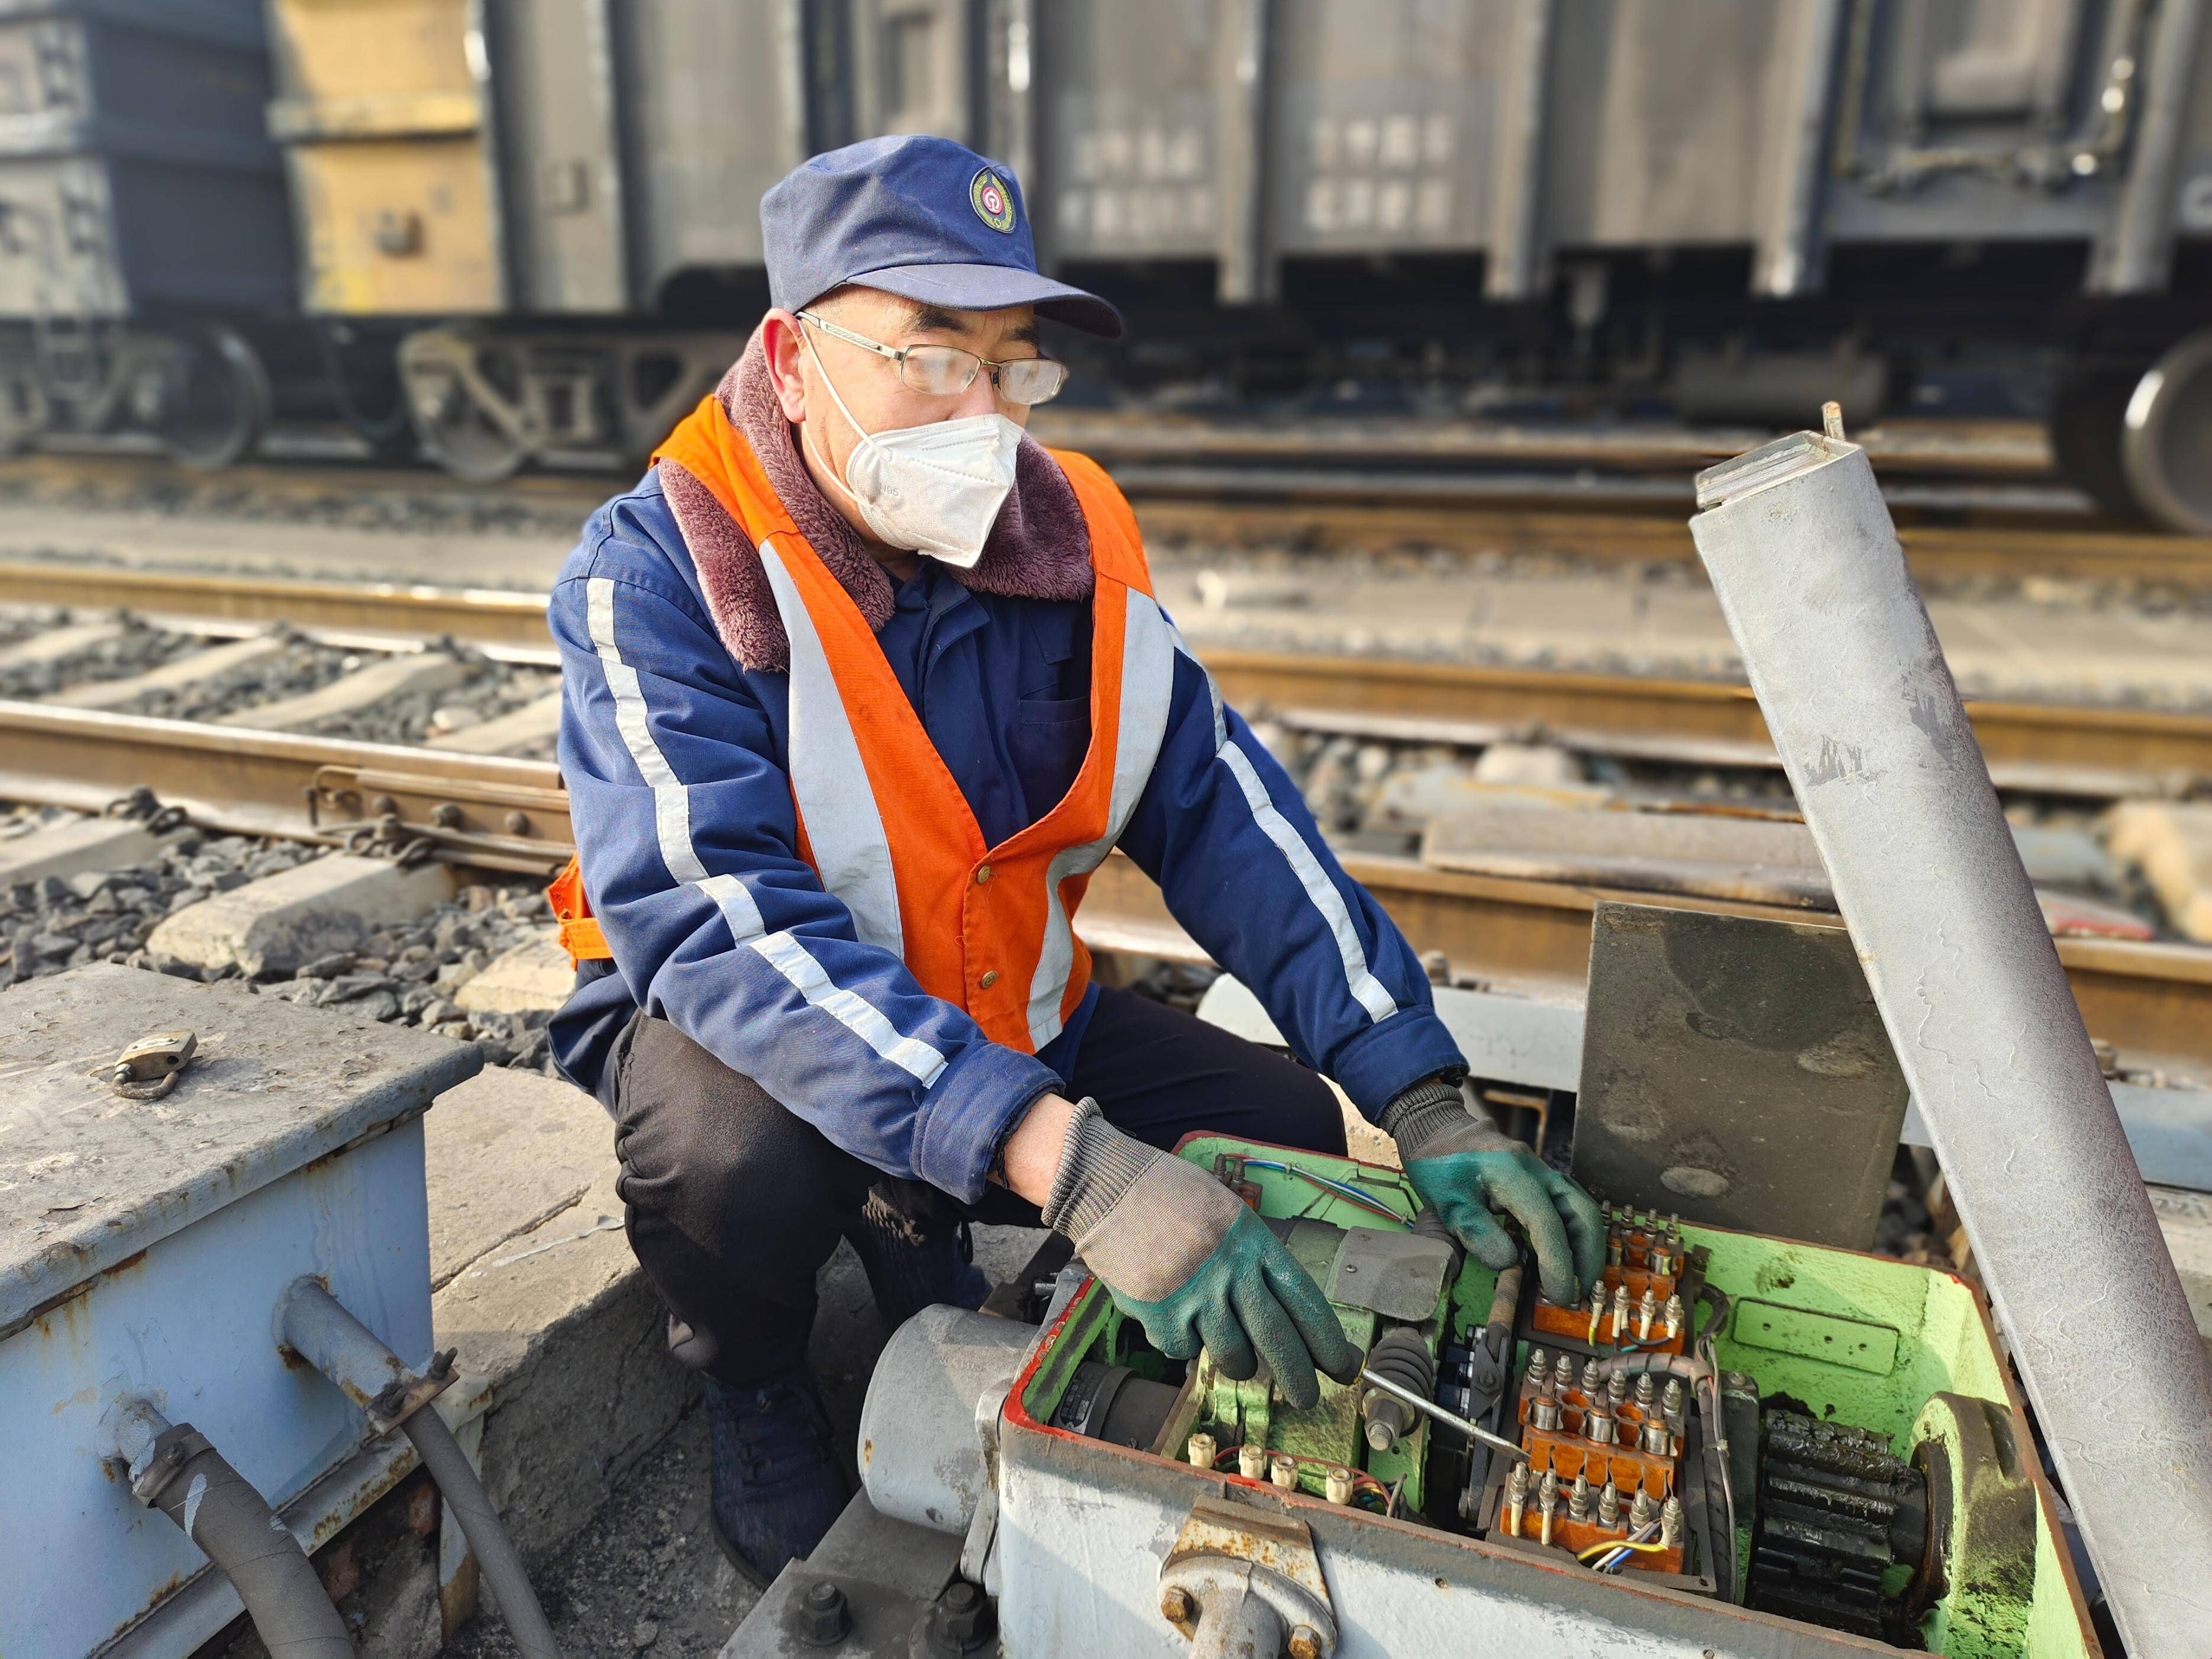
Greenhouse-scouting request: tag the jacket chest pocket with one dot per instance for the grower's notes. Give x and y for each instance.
(1046, 747)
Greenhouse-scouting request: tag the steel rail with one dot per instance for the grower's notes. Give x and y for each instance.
(2151, 1001)
(2055, 748)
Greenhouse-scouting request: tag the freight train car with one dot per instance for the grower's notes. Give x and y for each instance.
(144, 238)
(540, 215)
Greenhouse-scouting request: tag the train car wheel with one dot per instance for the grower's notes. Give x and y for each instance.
(448, 380)
(2166, 437)
(2084, 435)
(215, 400)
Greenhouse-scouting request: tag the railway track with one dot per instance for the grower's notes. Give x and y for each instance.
(1509, 494)
(2153, 1000)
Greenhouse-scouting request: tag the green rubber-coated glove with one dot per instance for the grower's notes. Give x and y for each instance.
(1469, 1173)
(1182, 1255)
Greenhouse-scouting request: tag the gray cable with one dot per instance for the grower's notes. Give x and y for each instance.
(214, 1507)
(498, 1564)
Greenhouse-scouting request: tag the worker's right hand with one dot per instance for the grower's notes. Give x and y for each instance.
(1184, 1257)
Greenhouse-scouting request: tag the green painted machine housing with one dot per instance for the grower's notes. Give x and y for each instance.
(1859, 1339)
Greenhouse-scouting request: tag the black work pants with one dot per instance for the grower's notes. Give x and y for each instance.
(733, 1204)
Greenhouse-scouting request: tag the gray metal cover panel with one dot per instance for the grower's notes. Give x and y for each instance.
(709, 91)
(1385, 123)
(87, 1178)
(1132, 110)
(1725, 1056)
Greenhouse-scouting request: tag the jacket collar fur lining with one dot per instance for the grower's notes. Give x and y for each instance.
(1039, 549)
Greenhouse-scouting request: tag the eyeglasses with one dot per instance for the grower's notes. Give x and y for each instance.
(938, 371)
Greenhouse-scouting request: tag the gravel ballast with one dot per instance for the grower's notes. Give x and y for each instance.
(406, 974)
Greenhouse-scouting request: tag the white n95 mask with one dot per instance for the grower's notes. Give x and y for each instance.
(934, 488)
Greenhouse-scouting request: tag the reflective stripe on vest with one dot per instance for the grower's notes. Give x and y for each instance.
(881, 819)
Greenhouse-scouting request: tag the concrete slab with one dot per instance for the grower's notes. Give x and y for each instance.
(281, 922)
(74, 845)
(535, 975)
(190, 669)
(503, 734)
(59, 642)
(507, 1151)
(2171, 842)
(561, 1321)
(392, 677)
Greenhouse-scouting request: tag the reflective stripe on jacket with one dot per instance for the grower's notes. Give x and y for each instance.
(681, 761)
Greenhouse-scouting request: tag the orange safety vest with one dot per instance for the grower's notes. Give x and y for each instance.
(881, 819)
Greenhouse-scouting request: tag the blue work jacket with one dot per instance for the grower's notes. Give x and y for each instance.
(651, 696)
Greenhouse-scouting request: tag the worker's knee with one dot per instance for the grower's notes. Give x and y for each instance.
(707, 1151)
(1311, 1115)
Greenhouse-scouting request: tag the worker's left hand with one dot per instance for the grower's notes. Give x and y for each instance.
(1465, 1169)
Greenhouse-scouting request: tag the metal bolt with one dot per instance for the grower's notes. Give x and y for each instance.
(1670, 1524)
(1563, 1374)
(1593, 1384)
(1535, 1378)
(1674, 1312)
(1639, 1510)
(1671, 1403)
(1646, 1392)
(1608, 1505)
(1516, 1497)
(1578, 1500)
(518, 823)
(445, 814)
(1613, 1252)
(384, 807)
(1305, 1642)
(1616, 1389)
(821, 1619)
(1175, 1605)
(1620, 1313)
(1547, 1504)
(1646, 1311)
(961, 1617)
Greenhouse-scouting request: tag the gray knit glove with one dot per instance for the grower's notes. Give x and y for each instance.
(1465, 1170)
(1182, 1255)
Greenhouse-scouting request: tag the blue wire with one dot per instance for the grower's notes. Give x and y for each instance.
(1337, 1186)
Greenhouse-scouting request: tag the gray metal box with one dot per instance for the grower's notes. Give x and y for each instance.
(143, 1245)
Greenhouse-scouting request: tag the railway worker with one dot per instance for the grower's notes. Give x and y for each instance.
(860, 682)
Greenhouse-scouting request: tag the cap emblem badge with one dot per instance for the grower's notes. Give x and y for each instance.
(993, 202)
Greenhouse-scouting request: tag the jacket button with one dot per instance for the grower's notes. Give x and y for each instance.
(982, 874)
(989, 979)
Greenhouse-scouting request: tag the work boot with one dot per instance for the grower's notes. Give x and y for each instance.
(909, 1270)
(775, 1479)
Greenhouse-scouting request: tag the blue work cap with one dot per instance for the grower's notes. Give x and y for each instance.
(923, 218)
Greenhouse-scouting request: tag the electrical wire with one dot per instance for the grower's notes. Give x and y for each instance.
(1622, 1548)
(1349, 1195)
(1620, 1544)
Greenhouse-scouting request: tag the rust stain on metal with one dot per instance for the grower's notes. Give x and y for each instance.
(66, 1304)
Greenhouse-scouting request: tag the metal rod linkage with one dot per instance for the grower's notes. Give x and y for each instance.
(1450, 1420)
